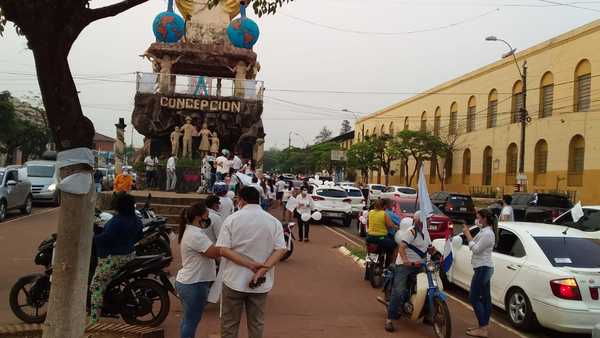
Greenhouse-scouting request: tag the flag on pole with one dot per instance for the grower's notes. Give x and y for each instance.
(424, 203)
(448, 258)
(577, 212)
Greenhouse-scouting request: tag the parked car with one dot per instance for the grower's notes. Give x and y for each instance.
(358, 201)
(536, 207)
(44, 179)
(15, 191)
(395, 191)
(333, 203)
(457, 206)
(345, 184)
(375, 190)
(440, 225)
(589, 223)
(541, 274)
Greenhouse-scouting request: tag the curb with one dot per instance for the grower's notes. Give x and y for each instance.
(361, 262)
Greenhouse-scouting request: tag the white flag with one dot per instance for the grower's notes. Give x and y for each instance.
(577, 212)
(424, 202)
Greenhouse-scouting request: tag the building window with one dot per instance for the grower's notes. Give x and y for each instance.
(546, 95)
(406, 123)
(466, 170)
(367, 134)
(423, 121)
(487, 166)
(433, 169)
(517, 102)
(492, 113)
(437, 121)
(453, 119)
(374, 131)
(511, 164)
(540, 163)
(471, 112)
(448, 168)
(576, 157)
(392, 128)
(382, 130)
(583, 86)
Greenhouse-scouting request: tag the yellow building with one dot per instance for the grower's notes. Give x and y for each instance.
(481, 109)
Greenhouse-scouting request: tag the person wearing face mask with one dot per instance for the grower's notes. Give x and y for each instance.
(198, 269)
(304, 205)
(213, 203)
(481, 246)
(226, 208)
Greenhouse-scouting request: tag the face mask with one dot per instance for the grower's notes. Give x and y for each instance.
(206, 222)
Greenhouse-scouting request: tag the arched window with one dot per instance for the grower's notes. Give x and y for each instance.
(391, 128)
(576, 157)
(374, 131)
(540, 163)
(437, 121)
(448, 168)
(453, 119)
(471, 112)
(406, 126)
(492, 111)
(382, 130)
(517, 102)
(466, 167)
(546, 95)
(487, 166)
(511, 164)
(423, 121)
(367, 134)
(583, 86)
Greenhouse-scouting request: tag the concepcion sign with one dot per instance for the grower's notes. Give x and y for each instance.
(206, 105)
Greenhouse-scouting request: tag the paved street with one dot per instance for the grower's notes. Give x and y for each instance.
(319, 292)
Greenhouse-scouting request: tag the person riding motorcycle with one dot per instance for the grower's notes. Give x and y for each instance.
(114, 246)
(412, 247)
(380, 229)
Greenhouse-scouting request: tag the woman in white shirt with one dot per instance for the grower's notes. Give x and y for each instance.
(198, 266)
(481, 260)
(507, 213)
(304, 205)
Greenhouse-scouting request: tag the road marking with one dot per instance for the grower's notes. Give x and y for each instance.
(507, 328)
(30, 215)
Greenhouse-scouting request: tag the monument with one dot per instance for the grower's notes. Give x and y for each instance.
(204, 74)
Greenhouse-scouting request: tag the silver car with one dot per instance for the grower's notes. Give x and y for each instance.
(15, 191)
(44, 179)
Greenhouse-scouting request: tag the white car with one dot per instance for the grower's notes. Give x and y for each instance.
(333, 203)
(590, 222)
(358, 201)
(541, 272)
(375, 190)
(345, 184)
(396, 191)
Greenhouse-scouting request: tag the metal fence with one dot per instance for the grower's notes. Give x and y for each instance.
(486, 191)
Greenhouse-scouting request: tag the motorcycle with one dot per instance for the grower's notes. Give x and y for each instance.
(289, 239)
(132, 294)
(425, 297)
(375, 265)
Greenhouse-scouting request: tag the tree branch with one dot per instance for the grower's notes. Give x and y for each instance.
(112, 10)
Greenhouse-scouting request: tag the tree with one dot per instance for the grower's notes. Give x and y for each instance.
(361, 157)
(346, 127)
(319, 156)
(387, 150)
(324, 135)
(421, 146)
(447, 147)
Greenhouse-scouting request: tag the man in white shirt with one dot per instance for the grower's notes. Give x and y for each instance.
(171, 175)
(280, 186)
(251, 244)
(226, 208)
(216, 221)
(223, 164)
(507, 213)
(236, 163)
(150, 163)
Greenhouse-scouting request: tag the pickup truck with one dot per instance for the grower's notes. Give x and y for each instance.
(536, 207)
(15, 190)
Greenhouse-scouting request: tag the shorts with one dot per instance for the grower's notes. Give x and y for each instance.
(279, 196)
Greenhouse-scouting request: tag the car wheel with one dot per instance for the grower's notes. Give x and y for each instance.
(2, 210)
(26, 209)
(519, 310)
(57, 199)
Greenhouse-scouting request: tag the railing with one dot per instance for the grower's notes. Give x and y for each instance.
(486, 191)
(198, 86)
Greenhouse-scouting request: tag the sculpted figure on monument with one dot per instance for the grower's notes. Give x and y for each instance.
(215, 144)
(175, 135)
(207, 25)
(205, 135)
(165, 85)
(188, 132)
(240, 76)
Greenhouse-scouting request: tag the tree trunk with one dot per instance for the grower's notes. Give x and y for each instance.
(417, 166)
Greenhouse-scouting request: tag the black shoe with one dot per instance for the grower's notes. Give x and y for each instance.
(389, 326)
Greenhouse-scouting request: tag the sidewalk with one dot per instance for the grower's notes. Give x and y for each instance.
(320, 293)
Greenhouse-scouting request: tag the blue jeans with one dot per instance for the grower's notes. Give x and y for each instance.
(193, 300)
(98, 187)
(480, 295)
(399, 293)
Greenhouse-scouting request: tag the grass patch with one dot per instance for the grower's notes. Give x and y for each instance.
(359, 252)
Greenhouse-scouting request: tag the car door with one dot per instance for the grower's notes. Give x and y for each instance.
(462, 271)
(509, 256)
(12, 192)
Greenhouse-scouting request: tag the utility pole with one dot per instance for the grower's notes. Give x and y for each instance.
(524, 117)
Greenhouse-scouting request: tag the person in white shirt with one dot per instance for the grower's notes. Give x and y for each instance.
(304, 205)
(236, 163)
(507, 213)
(213, 203)
(251, 243)
(223, 165)
(150, 163)
(171, 173)
(280, 187)
(226, 208)
(198, 269)
(480, 293)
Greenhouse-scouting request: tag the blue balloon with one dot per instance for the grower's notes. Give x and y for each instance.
(243, 32)
(168, 27)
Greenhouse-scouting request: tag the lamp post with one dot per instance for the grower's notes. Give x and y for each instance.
(523, 116)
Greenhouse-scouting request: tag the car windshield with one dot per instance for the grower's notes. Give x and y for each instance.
(589, 222)
(571, 251)
(40, 171)
(409, 207)
(460, 201)
(332, 193)
(378, 187)
(554, 201)
(354, 193)
(409, 191)
(521, 199)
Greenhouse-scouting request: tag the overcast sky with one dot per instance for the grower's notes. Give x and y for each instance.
(310, 49)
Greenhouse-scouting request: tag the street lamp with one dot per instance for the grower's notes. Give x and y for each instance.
(290, 139)
(523, 116)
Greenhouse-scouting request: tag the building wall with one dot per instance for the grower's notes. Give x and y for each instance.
(104, 145)
(560, 56)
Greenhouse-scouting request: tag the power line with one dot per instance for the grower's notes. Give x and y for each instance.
(570, 5)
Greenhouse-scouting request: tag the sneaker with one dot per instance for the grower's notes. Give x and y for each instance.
(389, 326)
